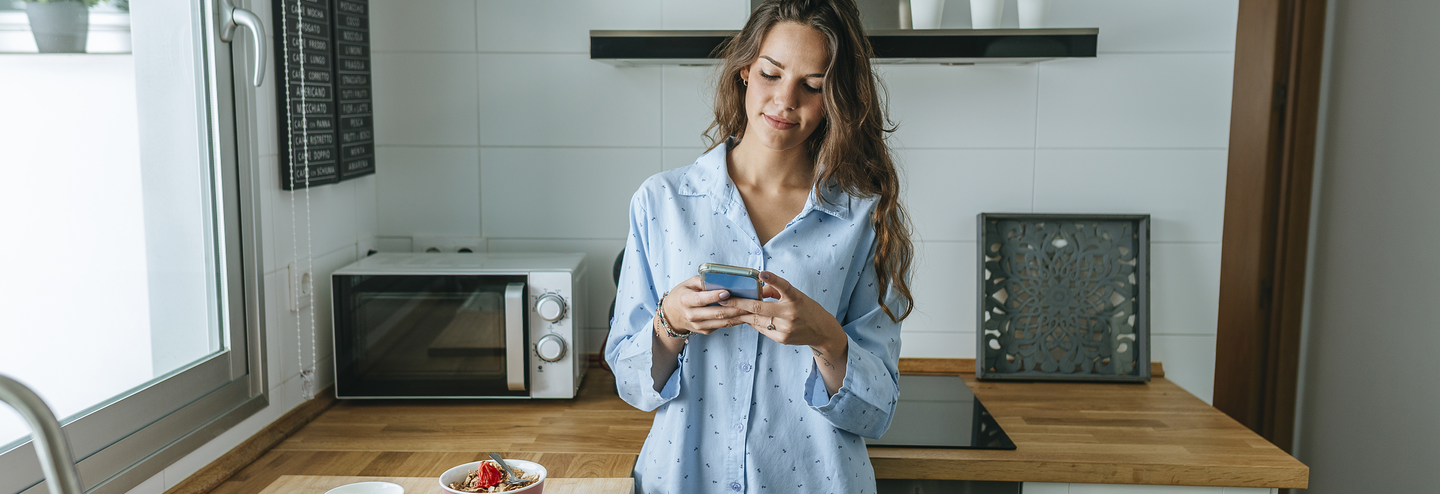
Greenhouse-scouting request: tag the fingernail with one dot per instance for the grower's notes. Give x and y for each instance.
(764, 275)
(725, 294)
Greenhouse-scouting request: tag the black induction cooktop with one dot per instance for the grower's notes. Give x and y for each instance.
(941, 412)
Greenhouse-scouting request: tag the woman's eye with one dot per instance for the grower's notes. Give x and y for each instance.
(769, 77)
(812, 89)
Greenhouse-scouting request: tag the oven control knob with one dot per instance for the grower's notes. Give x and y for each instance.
(551, 348)
(551, 307)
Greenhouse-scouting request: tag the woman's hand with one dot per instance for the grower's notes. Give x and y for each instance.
(796, 319)
(792, 319)
(687, 308)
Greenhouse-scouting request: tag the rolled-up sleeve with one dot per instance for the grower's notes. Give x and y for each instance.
(628, 349)
(865, 402)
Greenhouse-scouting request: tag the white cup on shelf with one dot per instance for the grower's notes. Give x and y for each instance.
(1032, 13)
(986, 14)
(925, 14)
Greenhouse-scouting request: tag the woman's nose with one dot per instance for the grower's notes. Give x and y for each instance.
(787, 97)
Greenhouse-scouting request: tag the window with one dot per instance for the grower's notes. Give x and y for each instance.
(132, 293)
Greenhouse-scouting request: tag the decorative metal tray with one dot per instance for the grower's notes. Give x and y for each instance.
(1063, 297)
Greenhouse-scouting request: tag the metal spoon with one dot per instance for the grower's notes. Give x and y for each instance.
(512, 479)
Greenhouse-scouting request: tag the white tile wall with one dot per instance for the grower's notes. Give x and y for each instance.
(322, 223)
(558, 26)
(687, 104)
(428, 190)
(1185, 288)
(367, 207)
(1136, 101)
(944, 285)
(938, 106)
(1183, 191)
(936, 345)
(1131, 26)
(946, 188)
(425, 99)
(678, 157)
(566, 100)
(704, 14)
(561, 192)
(1189, 361)
(422, 26)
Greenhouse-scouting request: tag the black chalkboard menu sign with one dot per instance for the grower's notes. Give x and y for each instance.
(326, 125)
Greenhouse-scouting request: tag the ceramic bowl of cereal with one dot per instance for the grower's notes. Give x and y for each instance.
(487, 476)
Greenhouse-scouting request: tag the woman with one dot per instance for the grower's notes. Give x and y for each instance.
(771, 395)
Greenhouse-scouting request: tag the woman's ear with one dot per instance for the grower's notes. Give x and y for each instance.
(745, 75)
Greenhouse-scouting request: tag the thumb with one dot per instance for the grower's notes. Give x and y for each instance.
(779, 284)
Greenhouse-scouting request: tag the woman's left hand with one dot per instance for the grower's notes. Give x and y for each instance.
(793, 319)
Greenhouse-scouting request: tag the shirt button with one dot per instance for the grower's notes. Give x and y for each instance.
(739, 427)
(735, 486)
(745, 368)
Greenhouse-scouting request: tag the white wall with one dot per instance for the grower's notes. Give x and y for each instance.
(492, 122)
(1367, 413)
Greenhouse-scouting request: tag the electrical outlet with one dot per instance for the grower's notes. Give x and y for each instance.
(302, 287)
(467, 244)
(447, 244)
(429, 244)
(365, 247)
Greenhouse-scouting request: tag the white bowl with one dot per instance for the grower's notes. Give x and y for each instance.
(368, 488)
(458, 473)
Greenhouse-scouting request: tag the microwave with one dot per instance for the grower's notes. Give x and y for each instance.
(459, 325)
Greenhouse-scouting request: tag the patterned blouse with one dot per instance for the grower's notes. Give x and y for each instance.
(743, 413)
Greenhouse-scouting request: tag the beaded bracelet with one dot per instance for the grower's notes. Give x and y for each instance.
(664, 323)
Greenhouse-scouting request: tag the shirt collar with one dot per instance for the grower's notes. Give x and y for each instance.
(710, 177)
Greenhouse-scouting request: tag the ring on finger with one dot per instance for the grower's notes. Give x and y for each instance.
(772, 324)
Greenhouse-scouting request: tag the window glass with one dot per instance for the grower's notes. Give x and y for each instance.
(107, 207)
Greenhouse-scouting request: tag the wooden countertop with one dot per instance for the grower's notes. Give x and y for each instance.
(314, 484)
(1152, 433)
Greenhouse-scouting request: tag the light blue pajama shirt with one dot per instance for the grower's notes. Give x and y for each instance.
(743, 413)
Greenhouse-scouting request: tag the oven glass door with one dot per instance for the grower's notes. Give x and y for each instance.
(440, 336)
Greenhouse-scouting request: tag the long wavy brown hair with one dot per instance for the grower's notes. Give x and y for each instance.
(849, 144)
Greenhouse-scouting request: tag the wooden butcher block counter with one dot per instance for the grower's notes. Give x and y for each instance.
(1134, 433)
(1153, 433)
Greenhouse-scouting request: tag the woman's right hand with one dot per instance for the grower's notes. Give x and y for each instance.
(687, 308)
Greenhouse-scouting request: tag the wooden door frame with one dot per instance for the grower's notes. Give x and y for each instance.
(1279, 47)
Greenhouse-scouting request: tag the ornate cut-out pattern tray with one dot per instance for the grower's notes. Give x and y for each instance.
(1063, 297)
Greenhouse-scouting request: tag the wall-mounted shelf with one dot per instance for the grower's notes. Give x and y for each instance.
(938, 46)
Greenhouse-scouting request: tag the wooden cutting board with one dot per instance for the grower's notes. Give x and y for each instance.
(317, 484)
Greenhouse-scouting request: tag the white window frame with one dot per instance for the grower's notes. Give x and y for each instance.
(124, 442)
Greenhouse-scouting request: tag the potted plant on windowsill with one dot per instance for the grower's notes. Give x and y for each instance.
(59, 26)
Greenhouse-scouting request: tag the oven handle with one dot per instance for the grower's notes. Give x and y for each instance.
(515, 343)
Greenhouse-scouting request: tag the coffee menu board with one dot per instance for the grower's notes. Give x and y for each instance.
(325, 117)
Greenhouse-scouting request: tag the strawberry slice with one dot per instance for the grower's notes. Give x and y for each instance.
(488, 476)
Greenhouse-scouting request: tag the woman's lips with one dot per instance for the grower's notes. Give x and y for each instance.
(779, 124)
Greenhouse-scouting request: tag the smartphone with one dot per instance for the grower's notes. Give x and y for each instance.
(741, 282)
